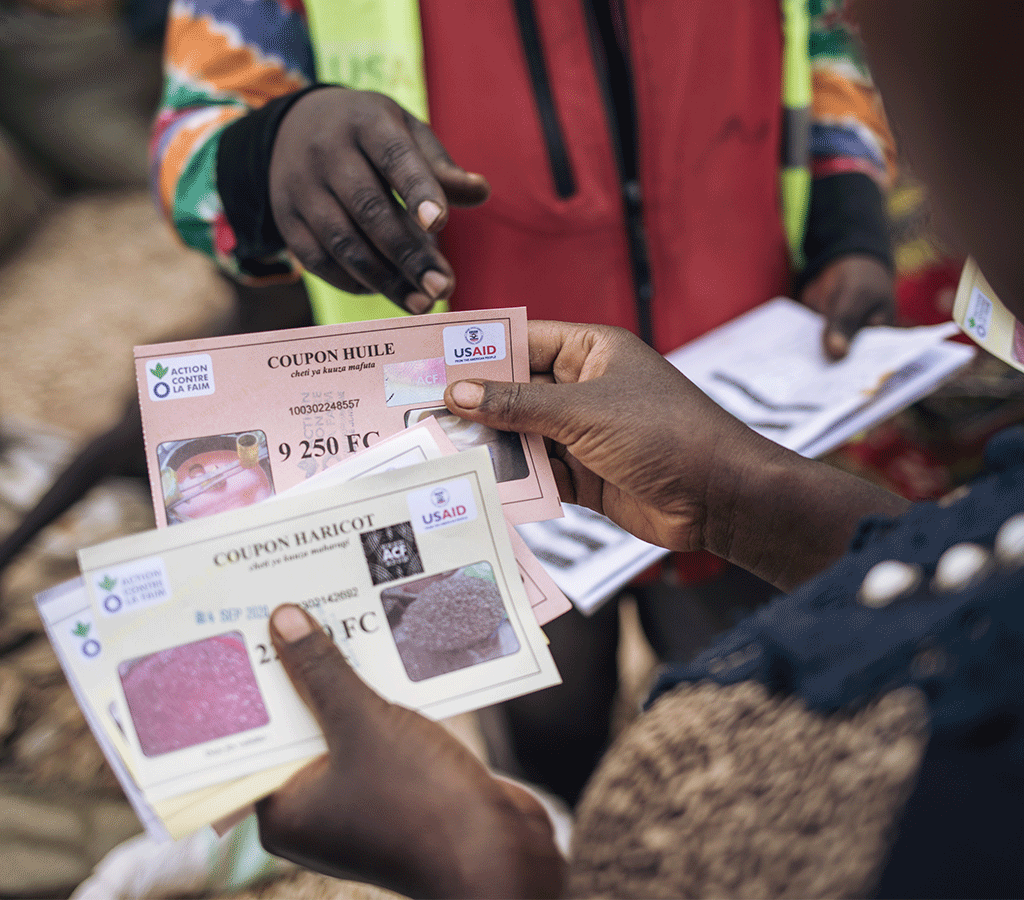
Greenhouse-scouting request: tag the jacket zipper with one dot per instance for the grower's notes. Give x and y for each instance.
(554, 140)
(558, 156)
(629, 179)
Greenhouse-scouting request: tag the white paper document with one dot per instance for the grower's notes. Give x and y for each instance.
(767, 368)
(165, 638)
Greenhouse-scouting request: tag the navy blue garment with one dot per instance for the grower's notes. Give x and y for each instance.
(147, 20)
(962, 833)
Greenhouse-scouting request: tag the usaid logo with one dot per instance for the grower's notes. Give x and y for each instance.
(477, 343)
(442, 505)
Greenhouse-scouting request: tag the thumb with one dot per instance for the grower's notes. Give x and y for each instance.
(536, 407)
(336, 696)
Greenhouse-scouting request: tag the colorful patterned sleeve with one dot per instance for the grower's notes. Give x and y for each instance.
(849, 132)
(222, 59)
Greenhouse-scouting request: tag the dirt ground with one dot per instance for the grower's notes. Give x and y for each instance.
(96, 276)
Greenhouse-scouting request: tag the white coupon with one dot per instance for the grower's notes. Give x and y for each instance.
(437, 620)
(985, 319)
(75, 633)
(71, 628)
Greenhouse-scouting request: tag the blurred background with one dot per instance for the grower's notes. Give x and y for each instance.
(87, 271)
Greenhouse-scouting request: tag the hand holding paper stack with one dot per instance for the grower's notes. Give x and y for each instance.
(412, 568)
(767, 369)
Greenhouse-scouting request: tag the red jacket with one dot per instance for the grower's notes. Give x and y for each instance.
(697, 238)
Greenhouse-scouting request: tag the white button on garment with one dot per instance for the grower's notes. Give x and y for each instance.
(959, 566)
(886, 581)
(1009, 544)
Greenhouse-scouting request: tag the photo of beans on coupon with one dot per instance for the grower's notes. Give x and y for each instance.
(232, 420)
(449, 621)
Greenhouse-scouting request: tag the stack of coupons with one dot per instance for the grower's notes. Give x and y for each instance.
(316, 466)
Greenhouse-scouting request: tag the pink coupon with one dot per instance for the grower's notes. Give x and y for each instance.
(232, 420)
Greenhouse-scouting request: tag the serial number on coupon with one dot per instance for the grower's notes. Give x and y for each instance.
(308, 409)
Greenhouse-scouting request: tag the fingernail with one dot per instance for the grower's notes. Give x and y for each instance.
(434, 283)
(468, 394)
(428, 212)
(291, 623)
(418, 303)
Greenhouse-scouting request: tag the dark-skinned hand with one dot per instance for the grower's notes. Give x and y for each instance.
(850, 292)
(338, 160)
(635, 440)
(618, 417)
(397, 801)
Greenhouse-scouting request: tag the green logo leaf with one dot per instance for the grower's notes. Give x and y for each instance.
(81, 629)
(159, 370)
(108, 583)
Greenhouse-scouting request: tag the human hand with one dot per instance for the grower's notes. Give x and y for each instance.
(337, 157)
(397, 801)
(851, 292)
(637, 441)
(633, 438)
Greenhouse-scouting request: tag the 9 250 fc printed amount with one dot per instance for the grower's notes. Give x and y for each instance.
(328, 446)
